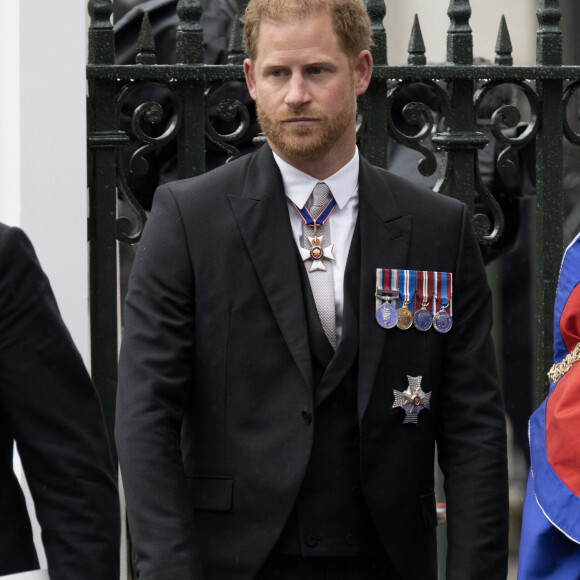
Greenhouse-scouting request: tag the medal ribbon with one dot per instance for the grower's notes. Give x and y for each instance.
(388, 285)
(395, 284)
(322, 216)
(380, 286)
(406, 278)
(417, 287)
(442, 292)
(436, 291)
(422, 288)
(402, 274)
(446, 290)
(383, 283)
(443, 289)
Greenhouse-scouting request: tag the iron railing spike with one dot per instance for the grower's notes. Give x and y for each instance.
(101, 35)
(236, 51)
(100, 12)
(146, 43)
(503, 46)
(416, 45)
(549, 15)
(377, 11)
(549, 38)
(459, 35)
(189, 36)
(242, 4)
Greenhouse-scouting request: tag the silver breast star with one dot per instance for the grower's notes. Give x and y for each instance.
(413, 399)
(317, 253)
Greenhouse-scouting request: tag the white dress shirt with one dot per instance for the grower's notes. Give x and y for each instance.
(343, 185)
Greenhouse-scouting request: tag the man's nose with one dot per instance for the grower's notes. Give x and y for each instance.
(298, 92)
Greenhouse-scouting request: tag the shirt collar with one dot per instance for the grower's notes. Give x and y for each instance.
(299, 185)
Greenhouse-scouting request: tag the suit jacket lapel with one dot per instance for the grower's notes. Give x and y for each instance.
(385, 237)
(262, 216)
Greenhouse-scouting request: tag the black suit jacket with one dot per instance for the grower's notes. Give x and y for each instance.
(49, 406)
(216, 389)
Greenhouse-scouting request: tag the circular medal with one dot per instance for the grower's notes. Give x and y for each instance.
(386, 315)
(442, 321)
(422, 320)
(316, 253)
(405, 318)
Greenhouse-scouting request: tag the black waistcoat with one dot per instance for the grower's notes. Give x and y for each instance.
(330, 516)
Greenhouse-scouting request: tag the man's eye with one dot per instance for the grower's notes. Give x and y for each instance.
(316, 70)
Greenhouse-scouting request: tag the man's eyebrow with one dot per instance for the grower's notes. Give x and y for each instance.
(320, 62)
(273, 64)
(313, 63)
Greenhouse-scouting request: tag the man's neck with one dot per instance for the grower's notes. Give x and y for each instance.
(324, 167)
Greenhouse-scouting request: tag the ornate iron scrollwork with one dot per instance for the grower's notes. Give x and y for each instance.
(228, 110)
(504, 117)
(146, 116)
(417, 114)
(570, 133)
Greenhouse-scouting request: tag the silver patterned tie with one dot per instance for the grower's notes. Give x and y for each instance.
(321, 280)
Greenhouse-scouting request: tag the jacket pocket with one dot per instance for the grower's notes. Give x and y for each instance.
(429, 510)
(211, 493)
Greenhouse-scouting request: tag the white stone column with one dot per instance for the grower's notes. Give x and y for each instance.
(43, 144)
(10, 114)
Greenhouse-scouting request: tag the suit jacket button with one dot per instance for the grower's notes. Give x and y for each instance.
(356, 490)
(349, 540)
(307, 416)
(311, 541)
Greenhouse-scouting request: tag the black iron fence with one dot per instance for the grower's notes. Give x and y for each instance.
(448, 116)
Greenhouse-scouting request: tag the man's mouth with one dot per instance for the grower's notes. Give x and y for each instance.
(300, 120)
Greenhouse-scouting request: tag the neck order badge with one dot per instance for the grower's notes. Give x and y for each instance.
(321, 277)
(317, 253)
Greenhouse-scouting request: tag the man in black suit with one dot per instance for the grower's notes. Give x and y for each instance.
(49, 406)
(268, 429)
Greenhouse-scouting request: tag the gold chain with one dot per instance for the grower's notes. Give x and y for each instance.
(559, 370)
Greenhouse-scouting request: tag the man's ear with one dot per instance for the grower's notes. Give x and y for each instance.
(250, 80)
(363, 69)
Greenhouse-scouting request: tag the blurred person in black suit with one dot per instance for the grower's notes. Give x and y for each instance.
(50, 408)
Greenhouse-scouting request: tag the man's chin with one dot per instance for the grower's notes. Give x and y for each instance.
(301, 152)
(301, 146)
